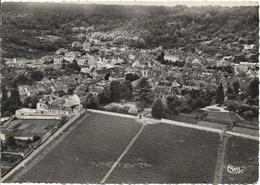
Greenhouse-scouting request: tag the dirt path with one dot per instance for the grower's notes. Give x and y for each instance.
(220, 158)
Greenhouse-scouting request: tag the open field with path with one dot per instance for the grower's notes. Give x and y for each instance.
(115, 149)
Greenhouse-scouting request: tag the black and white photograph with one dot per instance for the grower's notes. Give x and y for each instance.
(129, 92)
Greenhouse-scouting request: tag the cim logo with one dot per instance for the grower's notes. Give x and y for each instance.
(235, 169)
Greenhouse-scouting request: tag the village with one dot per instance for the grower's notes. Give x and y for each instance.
(194, 88)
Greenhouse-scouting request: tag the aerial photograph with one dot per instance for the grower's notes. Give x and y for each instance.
(129, 92)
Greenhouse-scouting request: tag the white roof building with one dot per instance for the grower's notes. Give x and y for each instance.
(73, 100)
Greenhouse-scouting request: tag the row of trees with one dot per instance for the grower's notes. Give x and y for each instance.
(247, 106)
(117, 91)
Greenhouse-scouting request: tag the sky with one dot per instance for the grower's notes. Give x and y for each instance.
(154, 2)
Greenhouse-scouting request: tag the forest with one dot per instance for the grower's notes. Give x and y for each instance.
(169, 27)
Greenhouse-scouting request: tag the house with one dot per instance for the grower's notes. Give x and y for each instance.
(117, 61)
(190, 87)
(90, 58)
(86, 46)
(145, 73)
(133, 109)
(249, 65)
(58, 59)
(46, 59)
(3, 135)
(72, 101)
(175, 84)
(81, 61)
(24, 92)
(47, 82)
(71, 56)
(225, 61)
(171, 58)
(248, 47)
(77, 45)
(41, 112)
(131, 56)
(61, 51)
(136, 63)
(18, 62)
(196, 62)
(79, 29)
(85, 70)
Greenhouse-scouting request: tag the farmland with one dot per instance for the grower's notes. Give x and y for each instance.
(98, 138)
(162, 153)
(175, 155)
(241, 153)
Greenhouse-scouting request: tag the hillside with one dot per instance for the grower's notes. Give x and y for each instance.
(26, 25)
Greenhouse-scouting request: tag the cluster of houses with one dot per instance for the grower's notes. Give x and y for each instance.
(98, 58)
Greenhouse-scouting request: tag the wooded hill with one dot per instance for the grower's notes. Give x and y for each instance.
(170, 27)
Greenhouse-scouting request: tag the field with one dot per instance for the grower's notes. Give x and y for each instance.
(30, 128)
(173, 155)
(97, 139)
(241, 153)
(162, 153)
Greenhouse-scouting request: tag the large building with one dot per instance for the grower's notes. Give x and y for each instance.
(41, 112)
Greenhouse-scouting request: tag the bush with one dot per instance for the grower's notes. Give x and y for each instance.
(36, 138)
(158, 109)
(91, 102)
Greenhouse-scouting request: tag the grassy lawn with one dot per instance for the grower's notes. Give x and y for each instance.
(241, 152)
(169, 154)
(222, 117)
(78, 158)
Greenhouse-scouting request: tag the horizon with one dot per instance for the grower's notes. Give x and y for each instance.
(190, 3)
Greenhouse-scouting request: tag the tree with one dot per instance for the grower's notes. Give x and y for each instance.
(161, 57)
(22, 79)
(75, 66)
(199, 103)
(248, 114)
(254, 88)
(107, 76)
(31, 102)
(144, 91)
(173, 102)
(12, 103)
(4, 93)
(36, 138)
(128, 90)
(37, 75)
(232, 106)
(236, 87)
(91, 102)
(220, 95)
(157, 109)
(117, 90)
(61, 93)
(105, 95)
(131, 77)
(11, 141)
(229, 90)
